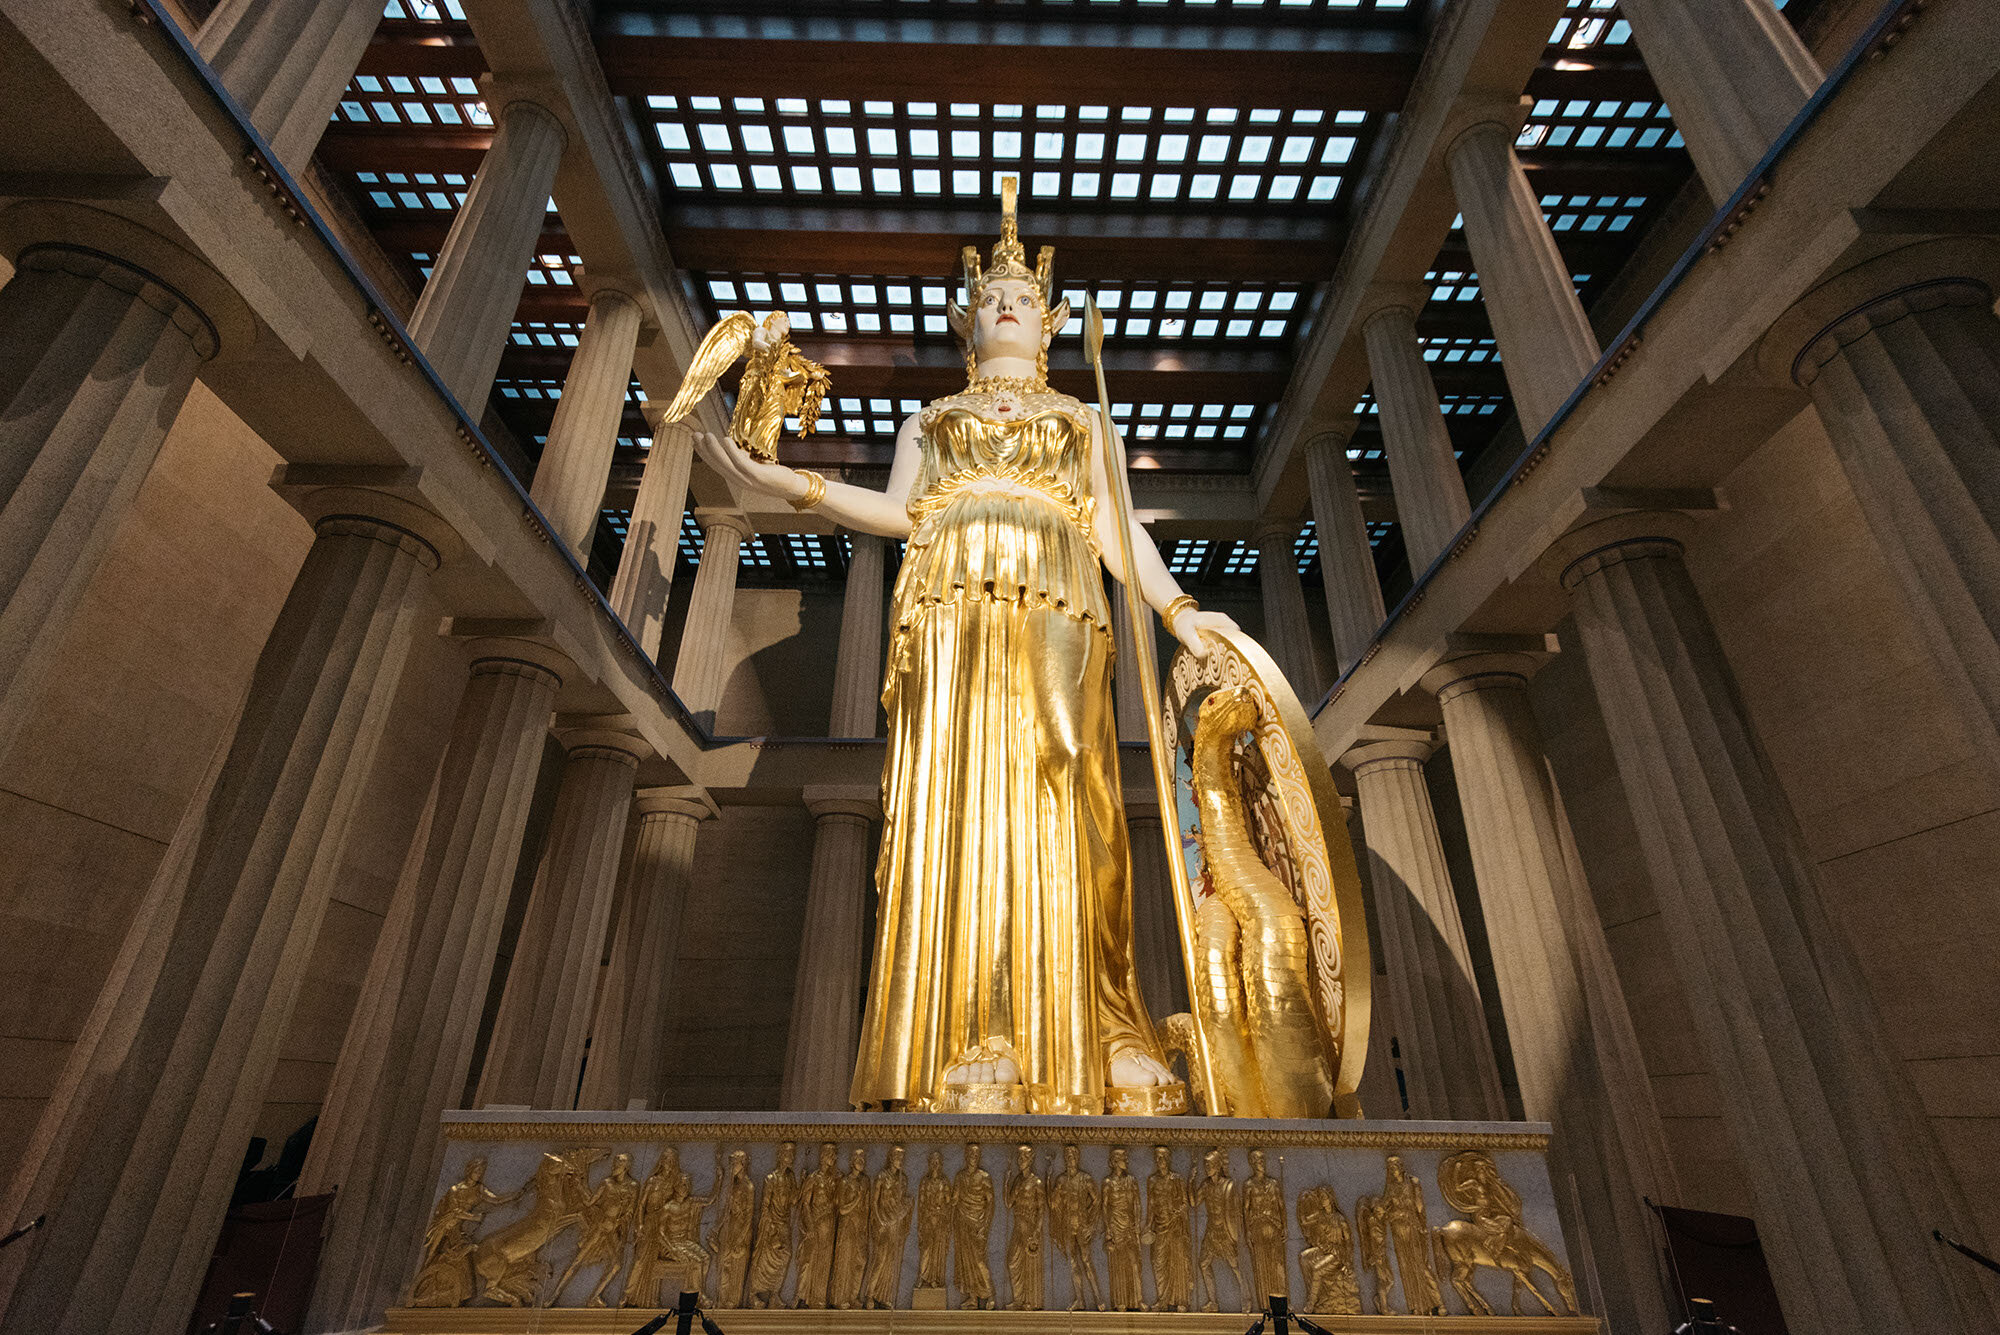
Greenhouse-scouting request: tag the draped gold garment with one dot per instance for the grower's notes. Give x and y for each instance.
(1005, 914)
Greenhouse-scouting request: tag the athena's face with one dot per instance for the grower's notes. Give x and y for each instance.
(1007, 320)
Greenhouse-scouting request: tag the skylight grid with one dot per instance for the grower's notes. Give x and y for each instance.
(1305, 549)
(545, 333)
(811, 150)
(618, 521)
(425, 11)
(1379, 531)
(1242, 559)
(692, 540)
(453, 102)
(529, 389)
(1185, 555)
(1462, 285)
(1598, 123)
(1453, 349)
(1213, 10)
(1263, 313)
(1589, 25)
(413, 192)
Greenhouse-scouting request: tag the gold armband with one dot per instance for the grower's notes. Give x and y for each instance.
(815, 489)
(1184, 603)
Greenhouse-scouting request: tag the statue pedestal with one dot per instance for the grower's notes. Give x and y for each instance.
(1328, 1217)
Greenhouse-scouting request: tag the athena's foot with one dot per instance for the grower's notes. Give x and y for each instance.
(983, 1065)
(1135, 1068)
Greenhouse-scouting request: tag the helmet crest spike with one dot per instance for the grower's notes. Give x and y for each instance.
(1009, 262)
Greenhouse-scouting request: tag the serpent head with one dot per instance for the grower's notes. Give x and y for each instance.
(1231, 709)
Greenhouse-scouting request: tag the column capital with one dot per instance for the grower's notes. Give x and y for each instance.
(1597, 543)
(1284, 531)
(529, 98)
(612, 289)
(1470, 662)
(1482, 111)
(1378, 745)
(693, 803)
(1327, 440)
(329, 494)
(607, 738)
(722, 517)
(843, 800)
(1942, 271)
(1388, 298)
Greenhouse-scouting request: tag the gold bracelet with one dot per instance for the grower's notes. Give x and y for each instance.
(1184, 603)
(815, 489)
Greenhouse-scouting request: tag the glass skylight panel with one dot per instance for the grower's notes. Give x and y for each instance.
(411, 99)
(828, 148)
(1588, 25)
(1185, 556)
(1598, 123)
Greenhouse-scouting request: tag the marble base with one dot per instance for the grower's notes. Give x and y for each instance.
(1349, 1158)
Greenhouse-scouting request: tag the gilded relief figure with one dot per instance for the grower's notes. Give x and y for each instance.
(1403, 1203)
(507, 1263)
(731, 1239)
(649, 1238)
(850, 1237)
(1264, 1225)
(1003, 959)
(933, 1223)
(1328, 1260)
(772, 1260)
(684, 1252)
(1371, 1220)
(445, 1279)
(1124, 1224)
(819, 1213)
(1221, 1237)
(1073, 1211)
(888, 1228)
(1170, 1221)
(778, 381)
(1027, 1204)
(972, 1230)
(1494, 1236)
(602, 1231)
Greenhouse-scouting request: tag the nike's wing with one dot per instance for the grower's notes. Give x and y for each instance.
(717, 353)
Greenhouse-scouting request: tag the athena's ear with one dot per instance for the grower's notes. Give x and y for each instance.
(1057, 319)
(960, 320)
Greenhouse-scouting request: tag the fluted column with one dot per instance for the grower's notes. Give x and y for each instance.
(536, 1054)
(857, 671)
(462, 318)
(1902, 358)
(701, 670)
(286, 62)
(1733, 71)
(653, 539)
(1448, 1067)
(1156, 933)
(826, 993)
(1346, 561)
(96, 358)
(139, 1147)
(1430, 491)
(1550, 962)
(576, 461)
(1847, 1175)
(628, 1050)
(1287, 631)
(1380, 1093)
(1128, 703)
(1546, 346)
(409, 1045)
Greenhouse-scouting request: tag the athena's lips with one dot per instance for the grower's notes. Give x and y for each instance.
(1009, 317)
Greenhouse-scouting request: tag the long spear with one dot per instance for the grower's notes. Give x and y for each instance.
(1149, 692)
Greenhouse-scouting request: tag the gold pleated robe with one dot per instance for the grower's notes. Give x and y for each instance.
(1005, 907)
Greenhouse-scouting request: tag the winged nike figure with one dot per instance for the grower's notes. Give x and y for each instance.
(779, 381)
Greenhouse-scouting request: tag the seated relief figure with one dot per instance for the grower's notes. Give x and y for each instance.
(1003, 976)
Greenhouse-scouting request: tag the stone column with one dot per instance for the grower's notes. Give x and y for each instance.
(1448, 1068)
(1353, 592)
(1156, 932)
(701, 670)
(462, 318)
(1848, 1178)
(653, 538)
(857, 672)
(1379, 1091)
(1430, 491)
(1127, 700)
(576, 461)
(139, 1146)
(536, 1054)
(96, 357)
(1287, 632)
(1546, 345)
(1901, 356)
(286, 62)
(1566, 1018)
(826, 993)
(409, 1045)
(628, 1050)
(1733, 71)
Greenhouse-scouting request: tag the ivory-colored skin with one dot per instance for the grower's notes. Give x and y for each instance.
(1008, 330)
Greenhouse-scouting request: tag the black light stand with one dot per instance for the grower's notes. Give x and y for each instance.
(24, 1230)
(241, 1318)
(1969, 1253)
(686, 1311)
(1280, 1314)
